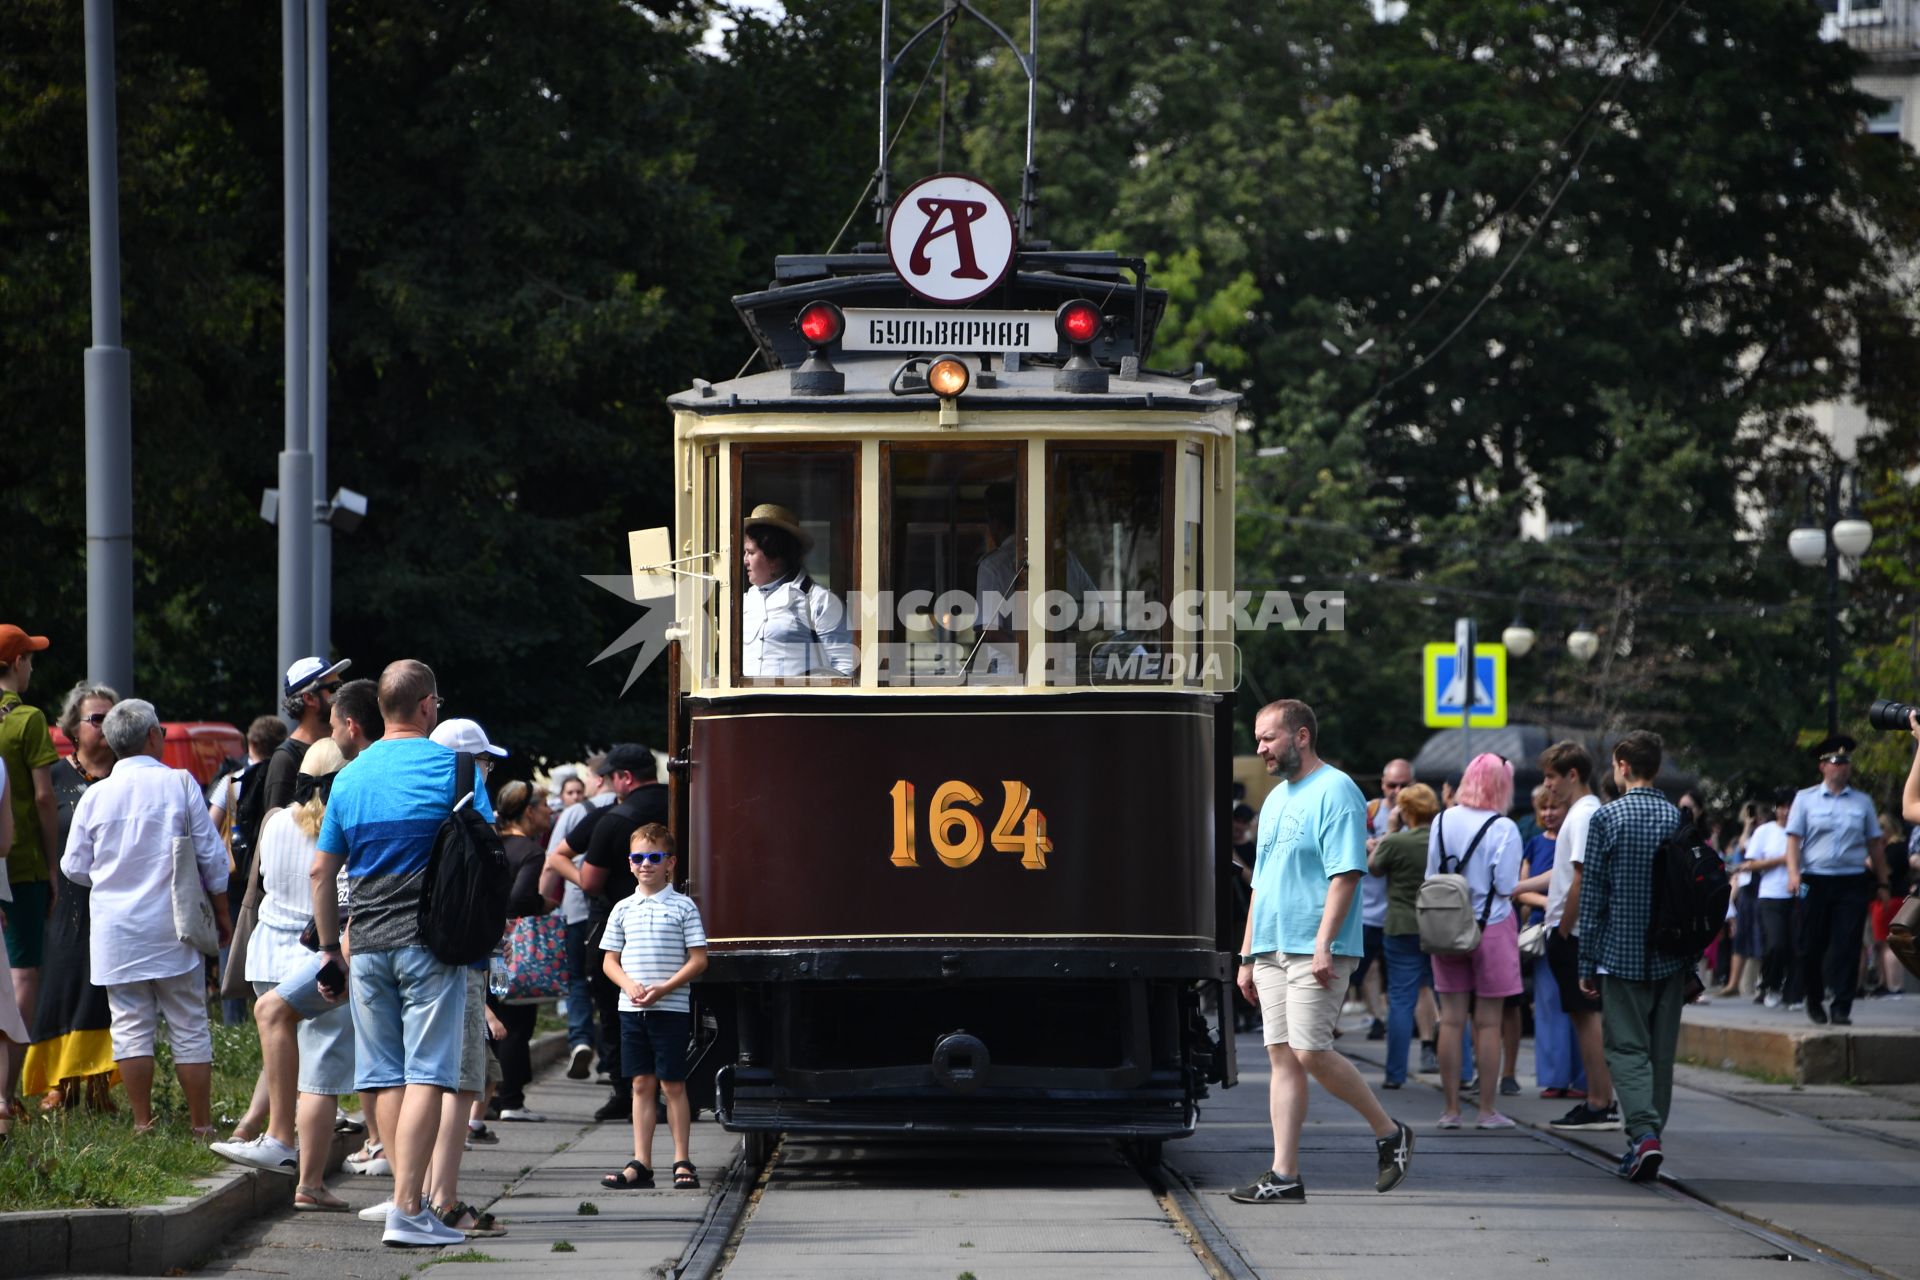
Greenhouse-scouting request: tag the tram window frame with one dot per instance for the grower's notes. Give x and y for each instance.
(844, 562)
(1059, 502)
(891, 633)
(709, 664)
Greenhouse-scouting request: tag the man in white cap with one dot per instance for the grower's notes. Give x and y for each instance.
(310, 686)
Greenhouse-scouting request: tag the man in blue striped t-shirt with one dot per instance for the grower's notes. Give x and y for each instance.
(655, 945)
(408, 1007)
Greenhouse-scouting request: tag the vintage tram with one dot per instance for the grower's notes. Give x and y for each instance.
(958, 838)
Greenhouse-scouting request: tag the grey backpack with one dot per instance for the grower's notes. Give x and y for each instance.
(1445, 901)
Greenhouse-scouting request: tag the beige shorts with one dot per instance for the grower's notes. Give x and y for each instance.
(137, 1008)
(1294, 1008)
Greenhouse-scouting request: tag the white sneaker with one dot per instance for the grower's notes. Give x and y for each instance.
(375, 1163)
(1773, 1000)
(418, 1231)
(377, 1212)
(522, 1114)
(263, 1152)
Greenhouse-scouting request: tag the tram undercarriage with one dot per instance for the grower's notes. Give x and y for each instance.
(1026, 1042)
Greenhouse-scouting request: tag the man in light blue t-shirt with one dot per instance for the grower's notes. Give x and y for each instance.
(1303, 942)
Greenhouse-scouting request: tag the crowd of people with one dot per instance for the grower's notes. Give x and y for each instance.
(308, 862)
(1340, 899)
(296, 883)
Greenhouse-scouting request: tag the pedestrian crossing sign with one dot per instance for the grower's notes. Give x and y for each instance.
(1443, 688)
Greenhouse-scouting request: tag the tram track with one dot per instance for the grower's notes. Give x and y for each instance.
(729, 1219)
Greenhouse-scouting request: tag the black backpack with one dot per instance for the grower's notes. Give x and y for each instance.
(1690, 891)
(252, 810)
(463, 897)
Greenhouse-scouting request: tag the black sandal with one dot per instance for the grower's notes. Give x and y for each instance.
(642, 1180)
(685, 1178)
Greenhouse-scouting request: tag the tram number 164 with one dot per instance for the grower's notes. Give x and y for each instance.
(955, 832)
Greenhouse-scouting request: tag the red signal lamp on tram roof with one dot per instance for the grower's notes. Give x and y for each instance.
(821, 323)
(1079, 322)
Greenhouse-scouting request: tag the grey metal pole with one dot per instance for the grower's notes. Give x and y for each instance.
(883, 196)
(109, 396)
(317, 321)
(296, 463)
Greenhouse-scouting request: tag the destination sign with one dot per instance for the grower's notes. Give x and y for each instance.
(1030, 332)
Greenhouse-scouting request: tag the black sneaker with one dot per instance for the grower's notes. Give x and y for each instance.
(615, 1109)
(1270, 1188)
(1816, 1014)
(1471, 1086)
(1583, 1116)
(482, 1135)
(1396, 1153)
(1377, 1030)
(580, 1064)
(1842, 1019)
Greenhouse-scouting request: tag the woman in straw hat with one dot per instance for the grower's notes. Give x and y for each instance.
(790, 625)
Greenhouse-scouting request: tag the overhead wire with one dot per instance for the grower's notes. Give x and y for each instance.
(1573, 171)
(873, 177)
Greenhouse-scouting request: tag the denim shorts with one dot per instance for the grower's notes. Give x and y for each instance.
(325, 1031)
(653, 1042)
(409, 1011)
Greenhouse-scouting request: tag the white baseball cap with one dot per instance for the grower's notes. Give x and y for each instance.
(308, 672)
(467, 737)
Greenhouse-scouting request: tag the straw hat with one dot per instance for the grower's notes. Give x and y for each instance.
(777, 517)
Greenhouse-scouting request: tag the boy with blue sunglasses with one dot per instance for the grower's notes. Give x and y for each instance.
(655, 945)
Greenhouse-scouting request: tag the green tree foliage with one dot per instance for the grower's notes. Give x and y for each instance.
(523, 267)
(1588, 260)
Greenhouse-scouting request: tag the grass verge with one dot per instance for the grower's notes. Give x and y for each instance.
(92, 1160)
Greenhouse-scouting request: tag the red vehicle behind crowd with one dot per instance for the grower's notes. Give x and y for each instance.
(198, 746)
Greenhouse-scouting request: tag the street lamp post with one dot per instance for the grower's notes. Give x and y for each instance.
(1835, 536)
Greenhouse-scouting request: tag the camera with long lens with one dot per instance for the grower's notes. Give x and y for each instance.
(1889, 715)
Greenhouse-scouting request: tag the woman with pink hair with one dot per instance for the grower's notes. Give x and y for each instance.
(1476, 839)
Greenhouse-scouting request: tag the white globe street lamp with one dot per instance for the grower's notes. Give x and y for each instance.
(1583, 644)
(1518, 639)
(1808, 545)
(1852, 537)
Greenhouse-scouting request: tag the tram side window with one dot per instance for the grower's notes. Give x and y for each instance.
(1108, 552)
(795, 536)
(956, 552)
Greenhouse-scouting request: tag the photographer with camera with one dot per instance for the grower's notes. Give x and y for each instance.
(1835, 849)
(1910, 798)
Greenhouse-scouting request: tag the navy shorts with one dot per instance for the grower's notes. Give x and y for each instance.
(653, 1042)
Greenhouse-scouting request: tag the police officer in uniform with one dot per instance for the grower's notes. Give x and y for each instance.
(1835, 849)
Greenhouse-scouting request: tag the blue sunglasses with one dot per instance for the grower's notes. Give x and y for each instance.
(646, 857)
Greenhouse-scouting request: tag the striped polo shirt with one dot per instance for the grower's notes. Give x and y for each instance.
(653, 935)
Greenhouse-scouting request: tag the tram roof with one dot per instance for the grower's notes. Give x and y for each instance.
(1040, 281)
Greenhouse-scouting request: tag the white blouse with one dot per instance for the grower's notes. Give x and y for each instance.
(121, 844)
(794, 627)
(286, 901)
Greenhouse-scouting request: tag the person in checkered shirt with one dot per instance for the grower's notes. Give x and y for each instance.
(1641, 992)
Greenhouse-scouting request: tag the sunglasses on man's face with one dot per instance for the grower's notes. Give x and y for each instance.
(646, 857)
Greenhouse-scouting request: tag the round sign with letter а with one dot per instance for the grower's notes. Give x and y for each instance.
(950, 238)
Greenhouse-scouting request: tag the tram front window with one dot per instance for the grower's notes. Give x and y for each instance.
(956, 553)
(795, 551)
(1108, 562)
